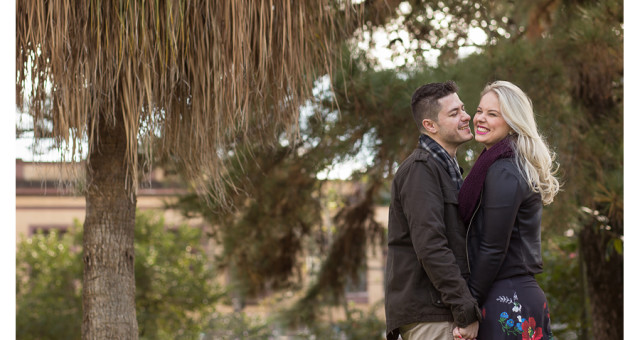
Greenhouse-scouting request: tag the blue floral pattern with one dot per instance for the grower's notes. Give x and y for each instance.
(512, 327)
(507, 324)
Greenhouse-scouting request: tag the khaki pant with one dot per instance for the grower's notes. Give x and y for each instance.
(427, 331)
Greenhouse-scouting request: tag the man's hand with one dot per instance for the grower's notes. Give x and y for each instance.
(468, 333)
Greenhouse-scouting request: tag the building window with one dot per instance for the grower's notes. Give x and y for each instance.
(48, 228)
(356, 290)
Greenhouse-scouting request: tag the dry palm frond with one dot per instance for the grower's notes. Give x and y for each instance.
(194, 73)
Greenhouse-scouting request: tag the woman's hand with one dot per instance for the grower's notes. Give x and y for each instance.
(456, 333)
(468, 333)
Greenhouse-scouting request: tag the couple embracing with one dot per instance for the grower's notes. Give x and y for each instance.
(463, 253)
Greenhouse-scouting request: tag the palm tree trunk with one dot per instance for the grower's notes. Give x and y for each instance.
(108, 298)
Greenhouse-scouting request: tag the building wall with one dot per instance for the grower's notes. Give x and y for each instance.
(43, 201)
(46, 211)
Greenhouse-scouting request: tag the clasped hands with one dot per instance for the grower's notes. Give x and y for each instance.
(467, 333)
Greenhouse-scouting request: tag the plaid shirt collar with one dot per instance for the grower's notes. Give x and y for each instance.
(439, 153)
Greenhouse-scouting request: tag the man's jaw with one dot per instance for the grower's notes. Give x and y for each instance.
(465, 129)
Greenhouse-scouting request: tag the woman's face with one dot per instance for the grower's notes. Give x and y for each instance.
(489, 124)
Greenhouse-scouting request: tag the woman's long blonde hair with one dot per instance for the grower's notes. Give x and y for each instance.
(534, 159)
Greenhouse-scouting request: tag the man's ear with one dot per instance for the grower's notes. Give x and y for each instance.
(430, 126)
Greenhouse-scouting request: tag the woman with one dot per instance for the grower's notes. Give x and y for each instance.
(501, 203)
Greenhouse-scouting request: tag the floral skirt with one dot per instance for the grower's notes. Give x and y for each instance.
(515, 308)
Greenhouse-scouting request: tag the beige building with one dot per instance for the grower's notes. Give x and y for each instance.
(43, 202)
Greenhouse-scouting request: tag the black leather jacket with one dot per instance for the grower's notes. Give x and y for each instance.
(503, 239)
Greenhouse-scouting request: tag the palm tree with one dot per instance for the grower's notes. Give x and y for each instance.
(189, 75)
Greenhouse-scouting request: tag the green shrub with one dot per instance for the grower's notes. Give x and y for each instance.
(175, 290)
(48, 287)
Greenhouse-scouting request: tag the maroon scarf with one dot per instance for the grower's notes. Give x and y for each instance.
(472, 186)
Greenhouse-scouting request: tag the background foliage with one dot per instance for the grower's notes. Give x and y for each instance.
(175, 282)
(48, 278)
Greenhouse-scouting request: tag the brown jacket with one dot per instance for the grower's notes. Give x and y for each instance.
(426, 262)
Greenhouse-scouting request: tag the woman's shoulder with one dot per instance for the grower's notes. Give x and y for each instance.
(504, 165)
(505, 170)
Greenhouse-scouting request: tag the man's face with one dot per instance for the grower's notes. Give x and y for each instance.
(453, 123)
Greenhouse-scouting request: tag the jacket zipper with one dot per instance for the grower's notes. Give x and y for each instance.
(466, 239)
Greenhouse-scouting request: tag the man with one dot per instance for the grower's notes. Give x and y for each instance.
(426, 295)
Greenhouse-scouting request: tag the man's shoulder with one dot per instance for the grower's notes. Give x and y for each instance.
(418, 155)
(418, 160)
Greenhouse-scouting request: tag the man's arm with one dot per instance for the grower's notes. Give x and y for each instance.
(423, 204)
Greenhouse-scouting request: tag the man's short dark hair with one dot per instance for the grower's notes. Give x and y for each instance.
(424, 102)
